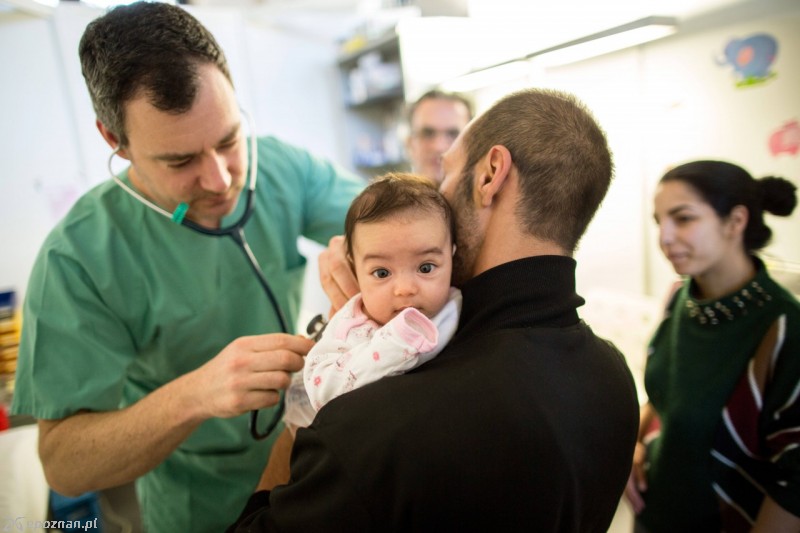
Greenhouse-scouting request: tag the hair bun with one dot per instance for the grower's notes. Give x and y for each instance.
(779, 195)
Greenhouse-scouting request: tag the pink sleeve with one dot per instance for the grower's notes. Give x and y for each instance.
(416, 330)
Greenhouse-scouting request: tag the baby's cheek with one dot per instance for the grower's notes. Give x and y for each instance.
(441, 301)
(376, 309)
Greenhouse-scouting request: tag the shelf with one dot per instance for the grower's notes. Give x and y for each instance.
(378, 99)
(387, 45)
(372, 77)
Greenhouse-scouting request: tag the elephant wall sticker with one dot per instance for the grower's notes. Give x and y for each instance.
(751, 58)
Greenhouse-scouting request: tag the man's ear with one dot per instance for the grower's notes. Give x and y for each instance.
(493, 170)
(111, 139)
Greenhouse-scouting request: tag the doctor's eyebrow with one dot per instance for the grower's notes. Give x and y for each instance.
(171, 157)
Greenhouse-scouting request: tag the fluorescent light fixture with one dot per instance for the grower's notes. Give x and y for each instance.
(617, 38)
(105, 4)
(501, 73)
(40, 8)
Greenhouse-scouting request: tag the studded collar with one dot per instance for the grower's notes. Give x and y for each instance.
(726, 309)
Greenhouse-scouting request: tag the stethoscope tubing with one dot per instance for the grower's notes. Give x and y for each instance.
(236, 233)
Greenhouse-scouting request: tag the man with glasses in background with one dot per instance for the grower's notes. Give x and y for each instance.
(435, 120)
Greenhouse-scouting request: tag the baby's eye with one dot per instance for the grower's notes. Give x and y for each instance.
(427, 268)
(380, 273)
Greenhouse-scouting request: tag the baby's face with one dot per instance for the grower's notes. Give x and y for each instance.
(403, 261)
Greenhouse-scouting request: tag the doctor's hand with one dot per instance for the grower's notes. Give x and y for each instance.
(247, 374)
(338, 280)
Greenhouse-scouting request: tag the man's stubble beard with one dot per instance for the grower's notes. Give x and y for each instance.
(468, 241)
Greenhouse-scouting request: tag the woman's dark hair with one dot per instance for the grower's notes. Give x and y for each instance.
(725, 185)
(392, 194)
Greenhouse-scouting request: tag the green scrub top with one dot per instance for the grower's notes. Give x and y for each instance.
(121, 300)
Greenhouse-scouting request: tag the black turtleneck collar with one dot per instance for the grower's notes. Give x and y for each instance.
(535, 291)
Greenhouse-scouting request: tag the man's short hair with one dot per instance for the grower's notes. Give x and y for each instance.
(560, 153)
(145, 47)
(436, 94)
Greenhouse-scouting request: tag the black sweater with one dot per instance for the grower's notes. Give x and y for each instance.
(526, 421)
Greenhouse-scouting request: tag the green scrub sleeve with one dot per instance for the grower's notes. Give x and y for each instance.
(329, 190)
(74, 343)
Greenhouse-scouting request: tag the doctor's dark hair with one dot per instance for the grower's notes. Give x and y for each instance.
(723, 186)
(145, 47)
(396, 194)
(560, 154)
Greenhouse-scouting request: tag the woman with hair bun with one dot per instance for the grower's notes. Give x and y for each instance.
(719, 439)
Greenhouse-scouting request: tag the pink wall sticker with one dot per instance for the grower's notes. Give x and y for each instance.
(786, 139)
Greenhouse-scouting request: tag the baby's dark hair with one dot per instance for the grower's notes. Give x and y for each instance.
(392, 194)
(725, 185)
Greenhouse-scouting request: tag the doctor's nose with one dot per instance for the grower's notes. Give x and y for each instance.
(215, 174)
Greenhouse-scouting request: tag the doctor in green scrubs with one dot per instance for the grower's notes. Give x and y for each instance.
(145, 344)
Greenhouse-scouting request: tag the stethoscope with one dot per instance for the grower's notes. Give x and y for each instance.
(236, 232)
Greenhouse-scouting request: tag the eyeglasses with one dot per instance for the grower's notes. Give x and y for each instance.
(429, 134)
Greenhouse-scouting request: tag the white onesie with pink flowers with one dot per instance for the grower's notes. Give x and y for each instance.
(354, 350)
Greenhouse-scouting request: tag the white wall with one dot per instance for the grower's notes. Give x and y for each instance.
(52, 151)
(609, 255)
(300, 91)
(660, 103)
(668, 102)
(40, 170)
(697, 112)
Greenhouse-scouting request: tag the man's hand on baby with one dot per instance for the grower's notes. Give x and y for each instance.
(335, 275)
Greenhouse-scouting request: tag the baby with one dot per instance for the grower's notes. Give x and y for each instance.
(399, 236)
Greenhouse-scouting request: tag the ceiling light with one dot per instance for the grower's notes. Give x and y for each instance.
(616, 38)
